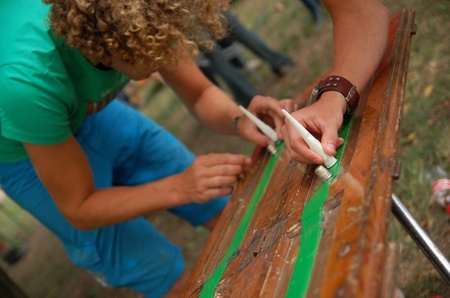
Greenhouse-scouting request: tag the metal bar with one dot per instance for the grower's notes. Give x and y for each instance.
(421, 238)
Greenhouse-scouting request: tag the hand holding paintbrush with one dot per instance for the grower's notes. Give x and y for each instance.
(265, 129)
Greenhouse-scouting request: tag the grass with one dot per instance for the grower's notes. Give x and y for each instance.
(425, 142)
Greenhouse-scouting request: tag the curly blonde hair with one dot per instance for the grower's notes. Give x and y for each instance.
(138, 30)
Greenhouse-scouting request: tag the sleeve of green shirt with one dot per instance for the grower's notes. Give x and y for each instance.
(31, 109)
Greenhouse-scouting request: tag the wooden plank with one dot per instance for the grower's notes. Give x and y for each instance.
(390, 269)
(370, 170)
(284, 233)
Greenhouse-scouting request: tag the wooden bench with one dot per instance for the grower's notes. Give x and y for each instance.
(287, 234)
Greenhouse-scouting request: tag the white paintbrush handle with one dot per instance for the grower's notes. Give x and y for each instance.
(266, 129)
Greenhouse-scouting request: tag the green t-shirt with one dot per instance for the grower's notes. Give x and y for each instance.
(46, 88)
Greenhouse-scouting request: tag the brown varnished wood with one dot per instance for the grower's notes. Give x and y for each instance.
(365, 232)
(264, 235)
(389, 143)
(220, 238)
(353, 254)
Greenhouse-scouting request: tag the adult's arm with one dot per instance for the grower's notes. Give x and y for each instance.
(215, 109)
(65, 171)
(360, 30)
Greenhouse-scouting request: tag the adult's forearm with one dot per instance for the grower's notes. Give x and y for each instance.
(117, 204)
(209, 104)
(216, 110)
(360, 38)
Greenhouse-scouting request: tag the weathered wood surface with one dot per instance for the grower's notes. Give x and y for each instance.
(286, 234)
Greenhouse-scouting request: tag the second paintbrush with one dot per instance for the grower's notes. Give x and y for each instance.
(265, 129)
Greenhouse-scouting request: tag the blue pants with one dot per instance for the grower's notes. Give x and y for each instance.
(124, 147)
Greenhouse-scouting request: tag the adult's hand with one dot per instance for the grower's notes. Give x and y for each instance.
(267, 109)
(211, 176)
(323, 120)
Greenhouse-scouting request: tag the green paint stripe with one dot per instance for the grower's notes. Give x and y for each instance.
(214, 279)
(311, 230)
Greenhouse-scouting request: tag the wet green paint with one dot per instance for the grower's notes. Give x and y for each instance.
(311, 230)
(215, 277)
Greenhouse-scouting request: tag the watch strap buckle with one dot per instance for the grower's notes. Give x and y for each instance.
(314, 95)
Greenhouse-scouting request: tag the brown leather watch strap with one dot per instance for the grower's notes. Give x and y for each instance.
(343, 86)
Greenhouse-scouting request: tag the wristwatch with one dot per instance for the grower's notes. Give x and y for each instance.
(341, 85)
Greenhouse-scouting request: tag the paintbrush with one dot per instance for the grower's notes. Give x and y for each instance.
(265, 129)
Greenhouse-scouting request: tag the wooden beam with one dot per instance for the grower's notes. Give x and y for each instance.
(284, 233)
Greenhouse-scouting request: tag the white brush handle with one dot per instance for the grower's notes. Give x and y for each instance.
(266, 129)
